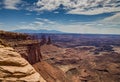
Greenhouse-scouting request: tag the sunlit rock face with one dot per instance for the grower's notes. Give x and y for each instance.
(14, 68)
(51, 73)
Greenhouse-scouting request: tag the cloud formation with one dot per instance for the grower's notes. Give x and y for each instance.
(70, 23)
(39, 23)
(11, 4)
(87, 27)
(113, 19)
(88, 7)
(47, 21)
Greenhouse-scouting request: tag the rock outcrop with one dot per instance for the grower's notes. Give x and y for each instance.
(34, 54)
(43, 40)
(50, 73)
(14, 68)
(49, 40)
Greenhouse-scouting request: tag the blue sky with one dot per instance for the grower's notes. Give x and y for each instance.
(74, 16)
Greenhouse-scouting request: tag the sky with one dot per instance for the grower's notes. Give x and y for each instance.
(72, 16)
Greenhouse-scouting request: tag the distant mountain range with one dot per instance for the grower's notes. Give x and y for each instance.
(36, 31)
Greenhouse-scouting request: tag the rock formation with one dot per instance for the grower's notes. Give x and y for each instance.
(43, 40)
(34, 54)
(14, 68)
(49, 40)
(50, 73)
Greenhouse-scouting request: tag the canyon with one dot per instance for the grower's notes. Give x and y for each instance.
(59, 58)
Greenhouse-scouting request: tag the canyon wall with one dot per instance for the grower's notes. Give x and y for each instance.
(14, 68)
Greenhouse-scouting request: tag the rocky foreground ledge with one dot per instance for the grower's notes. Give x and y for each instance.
(14, 68)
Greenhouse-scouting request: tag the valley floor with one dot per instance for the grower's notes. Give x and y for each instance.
(83, 65)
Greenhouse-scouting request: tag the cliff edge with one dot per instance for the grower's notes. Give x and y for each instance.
(14, 68)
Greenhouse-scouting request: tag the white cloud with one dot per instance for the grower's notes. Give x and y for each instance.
(11, 4)
(111, 22)
(28, 14)
(46, 20)
(98, 27)
(89, 27)
(88, 7)
(34, 26)
(95, 11)
(47, 4)
(113, 19)
(38, 23)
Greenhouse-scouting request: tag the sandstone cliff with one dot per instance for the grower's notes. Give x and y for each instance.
(51, 73)
(14, 68)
